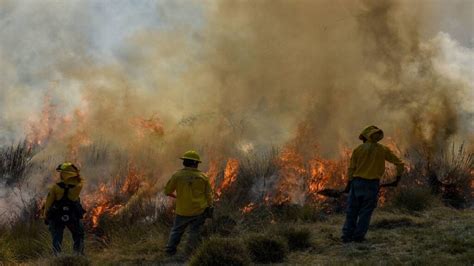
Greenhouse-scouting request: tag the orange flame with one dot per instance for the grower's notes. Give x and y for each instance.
(106, 200)
(213, 172)
(230, 175)
(249, 207)
(41, 130)
(152, 126)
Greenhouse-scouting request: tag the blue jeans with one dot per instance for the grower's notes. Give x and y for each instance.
(179, 226)
(363, 197)
(77, 232)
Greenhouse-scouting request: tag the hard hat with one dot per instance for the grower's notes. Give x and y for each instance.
(191, 155)
(67, 168)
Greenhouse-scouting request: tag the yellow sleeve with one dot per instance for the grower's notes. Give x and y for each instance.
(352, 165)
(49, 200)
(171, 185)
(392, 158)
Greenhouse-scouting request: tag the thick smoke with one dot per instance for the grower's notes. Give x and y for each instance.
(226, 77)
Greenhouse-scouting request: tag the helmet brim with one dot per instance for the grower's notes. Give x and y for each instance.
(191, 159)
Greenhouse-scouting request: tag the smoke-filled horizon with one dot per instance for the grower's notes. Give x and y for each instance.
(226, 77)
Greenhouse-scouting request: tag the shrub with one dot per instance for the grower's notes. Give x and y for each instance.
(297, 238)
(221, 251)
(413, 199)
(267, 249)
(447, 172)
(15, 162)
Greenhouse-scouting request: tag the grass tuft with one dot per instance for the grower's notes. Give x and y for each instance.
(221, 251)
(297, 238)
(267, 249)
(413, 199)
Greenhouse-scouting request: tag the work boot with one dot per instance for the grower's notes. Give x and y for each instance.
(170, 252)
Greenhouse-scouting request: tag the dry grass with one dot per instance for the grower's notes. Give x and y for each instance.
(439, 235)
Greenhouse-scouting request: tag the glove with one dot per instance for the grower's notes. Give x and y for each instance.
(348, 187)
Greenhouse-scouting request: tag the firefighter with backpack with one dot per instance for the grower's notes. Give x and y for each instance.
(63, 208)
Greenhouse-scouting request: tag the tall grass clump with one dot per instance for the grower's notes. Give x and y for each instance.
(15, 162)
(255, 170)
(296, 238)
(448, 173)
(221, 251)
(413, 199)
(25, 241)
(267, 249)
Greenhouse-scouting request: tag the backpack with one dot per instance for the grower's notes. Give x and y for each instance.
(65, 211)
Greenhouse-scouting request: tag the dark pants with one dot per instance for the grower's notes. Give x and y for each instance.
(77, 231)
(179, 226)
(363, 197)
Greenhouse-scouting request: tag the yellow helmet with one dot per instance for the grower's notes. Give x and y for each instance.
(67, 168)
(191, 155)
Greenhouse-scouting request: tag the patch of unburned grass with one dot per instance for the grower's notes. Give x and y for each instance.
(221, 251)
(401, 222)
(133, 245)
(413, 199)
(266, 248)
(24, 242)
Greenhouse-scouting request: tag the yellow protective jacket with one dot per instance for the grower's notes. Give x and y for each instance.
(368, 159)
(56, 192)
(193, 191)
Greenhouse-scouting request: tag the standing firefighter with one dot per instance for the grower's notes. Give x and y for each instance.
(366, 168)
(63, 208)
(193, 202)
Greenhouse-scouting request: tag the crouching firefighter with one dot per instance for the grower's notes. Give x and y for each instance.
(366, 168)
(63, 208)
(193, 202)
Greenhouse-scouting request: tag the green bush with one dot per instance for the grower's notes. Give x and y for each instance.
(297, 239)
(267, 249)
(221, 251)
(413, 199)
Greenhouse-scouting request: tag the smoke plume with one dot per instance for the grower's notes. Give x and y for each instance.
(228, 77)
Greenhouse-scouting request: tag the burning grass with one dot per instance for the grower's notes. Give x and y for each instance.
(127, 219)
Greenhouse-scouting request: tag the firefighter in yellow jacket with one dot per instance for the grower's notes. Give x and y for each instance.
(63, 208)
(366, 168)
(193, 202)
